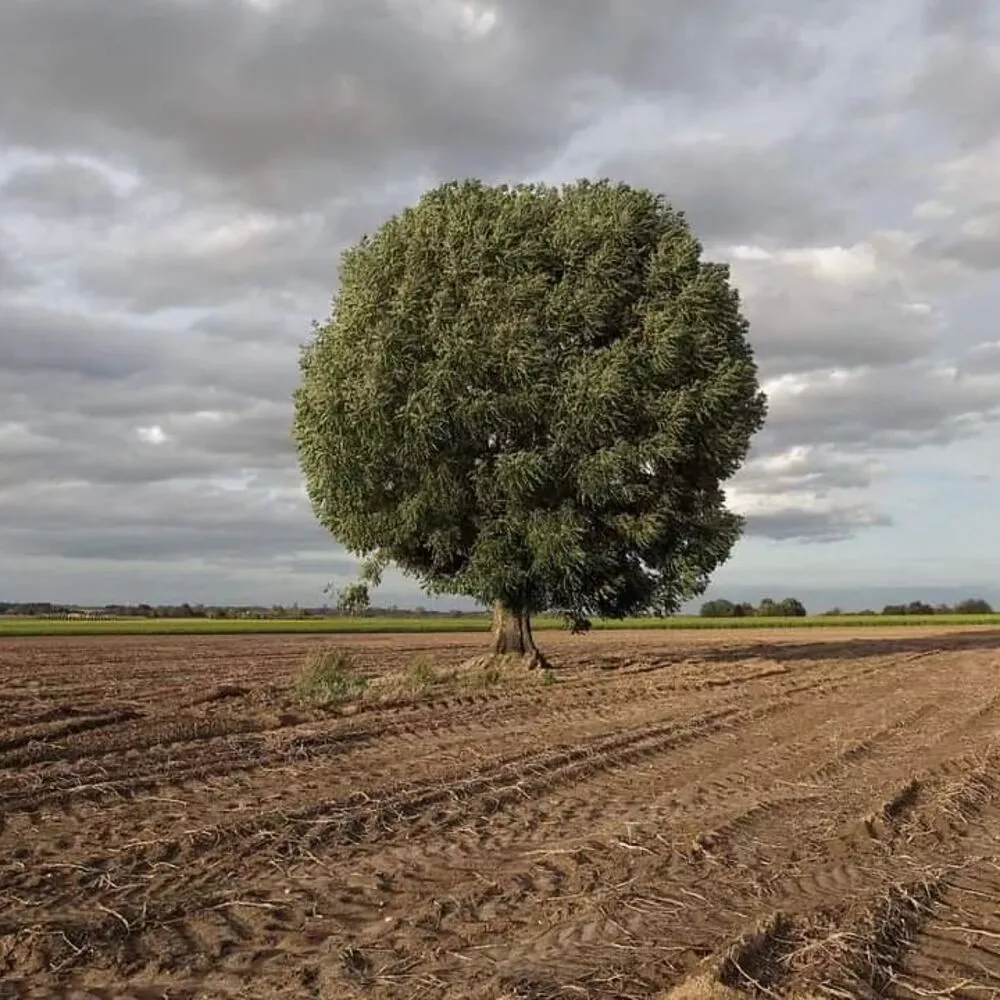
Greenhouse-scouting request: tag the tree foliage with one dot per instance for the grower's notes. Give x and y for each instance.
(719, 608)
(913, 608)
(790, 607)
(768, 608)
(970, 606)
(973, 606)
(532, 396)
(353, 599)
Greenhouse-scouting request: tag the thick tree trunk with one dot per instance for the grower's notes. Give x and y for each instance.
(512, 636)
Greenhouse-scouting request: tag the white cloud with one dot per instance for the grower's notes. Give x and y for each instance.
(804, 517)
(932, 210)
(833, 306)
(153, 434)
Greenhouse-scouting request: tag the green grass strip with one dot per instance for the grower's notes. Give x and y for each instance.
(249, 626)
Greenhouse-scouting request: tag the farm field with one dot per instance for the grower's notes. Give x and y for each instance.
(684, 814)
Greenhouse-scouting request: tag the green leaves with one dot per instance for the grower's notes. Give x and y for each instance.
(353, 599)
(532, 394)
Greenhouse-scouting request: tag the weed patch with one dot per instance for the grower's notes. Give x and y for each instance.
(329, 677)
(421, 674)
(482, 678)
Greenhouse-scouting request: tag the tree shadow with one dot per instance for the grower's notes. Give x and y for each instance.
(854, 648)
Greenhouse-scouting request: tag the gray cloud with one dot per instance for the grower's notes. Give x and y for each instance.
(738, 190)
(835, 306)
(969, 19)
(13, 273)
(153, 449)
(61, 190)
(183, 176)
(281, 104)
(807, 493)
(192, 261)
(82, 520)
(974, 244)
(40, 344)
(827, 524)
(984, 359)
(818, 470)
(909, 406)
(39, 339)
(959, 80)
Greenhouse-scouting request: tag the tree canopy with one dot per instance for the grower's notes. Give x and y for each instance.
(532, 396)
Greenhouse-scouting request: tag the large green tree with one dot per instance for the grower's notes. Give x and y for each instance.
(532, 395)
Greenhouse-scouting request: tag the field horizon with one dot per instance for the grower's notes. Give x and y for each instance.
(36, 627)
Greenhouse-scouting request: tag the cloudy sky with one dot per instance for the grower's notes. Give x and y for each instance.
(177, 178)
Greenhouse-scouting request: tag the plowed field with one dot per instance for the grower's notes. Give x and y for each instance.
(678, 814)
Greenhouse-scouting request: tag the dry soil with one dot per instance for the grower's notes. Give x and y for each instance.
(720, 814)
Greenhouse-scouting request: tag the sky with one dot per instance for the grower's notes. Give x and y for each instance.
(178, 177)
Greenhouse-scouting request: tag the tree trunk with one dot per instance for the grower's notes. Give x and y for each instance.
(512, 636)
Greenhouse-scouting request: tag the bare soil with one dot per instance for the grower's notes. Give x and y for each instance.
(697, 815)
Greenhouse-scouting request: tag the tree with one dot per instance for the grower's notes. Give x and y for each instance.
(769, 608)
(792, 607)
(913, 608)
(353, 599)
(719, 608)
(973, 606)
(532, 396)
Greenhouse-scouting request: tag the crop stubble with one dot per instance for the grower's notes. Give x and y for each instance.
(770, 814)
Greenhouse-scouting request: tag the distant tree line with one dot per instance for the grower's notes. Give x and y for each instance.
(46, 609)
(970, 606)
(351, 602)
(791, 607)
